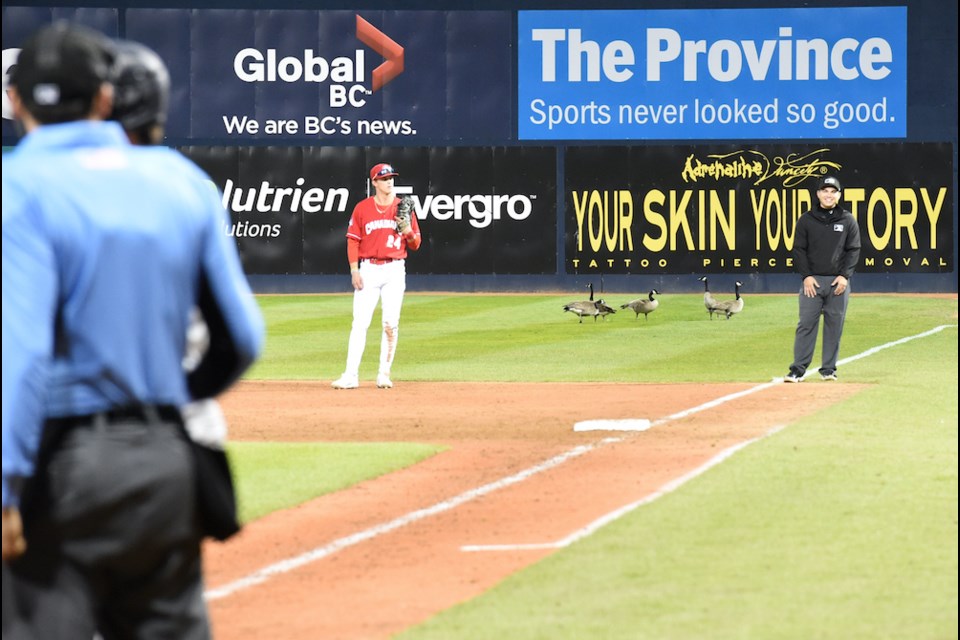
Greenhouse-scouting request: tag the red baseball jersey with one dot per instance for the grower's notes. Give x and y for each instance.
(376, 231)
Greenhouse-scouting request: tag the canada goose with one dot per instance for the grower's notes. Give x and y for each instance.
(730, 307)
(708, 300)
(603, 309)
(584, 307)
(643, 305)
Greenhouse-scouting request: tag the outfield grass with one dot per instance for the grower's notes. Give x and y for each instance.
(843, 525)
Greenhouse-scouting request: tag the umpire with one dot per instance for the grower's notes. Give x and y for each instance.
(106, 249)
(826, 249)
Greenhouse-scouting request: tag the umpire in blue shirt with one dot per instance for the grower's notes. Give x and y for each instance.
(106, 249)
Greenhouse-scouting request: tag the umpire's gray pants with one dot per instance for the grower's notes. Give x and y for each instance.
(113, 543)
(834, 310)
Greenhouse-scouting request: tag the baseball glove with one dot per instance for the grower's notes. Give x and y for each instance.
(404, 210)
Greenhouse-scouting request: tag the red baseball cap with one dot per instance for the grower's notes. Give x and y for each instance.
(382, 170)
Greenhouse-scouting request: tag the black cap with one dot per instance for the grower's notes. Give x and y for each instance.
(829, 181)
(59, 71)
(141, 86)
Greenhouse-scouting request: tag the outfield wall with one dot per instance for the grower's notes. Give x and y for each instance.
(548, 149)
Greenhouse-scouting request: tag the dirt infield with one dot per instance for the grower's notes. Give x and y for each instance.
(388, 553)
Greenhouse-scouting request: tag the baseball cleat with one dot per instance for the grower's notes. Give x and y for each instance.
(345, 382)
(792, 377)
(384, 381)
(828, 376)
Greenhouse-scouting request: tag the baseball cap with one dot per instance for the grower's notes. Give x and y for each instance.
(60, 69)
(829, 181)
(382, 170)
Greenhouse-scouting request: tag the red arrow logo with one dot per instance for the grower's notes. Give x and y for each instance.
(382, 44)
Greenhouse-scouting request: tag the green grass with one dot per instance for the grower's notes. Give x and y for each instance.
(272, 476)
(843, 525)
(530, 338)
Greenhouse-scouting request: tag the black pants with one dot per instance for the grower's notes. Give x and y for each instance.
(113, 544)
(833, 308)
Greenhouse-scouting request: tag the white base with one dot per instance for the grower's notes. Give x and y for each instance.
(634, 424)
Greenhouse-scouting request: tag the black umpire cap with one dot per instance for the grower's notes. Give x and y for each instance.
(141, 86)
(829, 181)
(60, 69)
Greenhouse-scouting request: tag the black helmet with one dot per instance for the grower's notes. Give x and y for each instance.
(141, 86)
(60, 70)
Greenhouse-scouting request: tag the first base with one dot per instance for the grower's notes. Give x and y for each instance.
(633, 424)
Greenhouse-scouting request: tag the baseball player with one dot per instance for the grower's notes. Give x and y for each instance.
(380, 232)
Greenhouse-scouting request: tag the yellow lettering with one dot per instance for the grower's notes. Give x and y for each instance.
(879, 197)
(580, 208)
(905, 220)
(773, 235)
(855, 197)
(933, 212)
(870, 262)
(727, 224)
(626, 220)
(678, 220)
(595, 204)
(655, 218)
(757, 207)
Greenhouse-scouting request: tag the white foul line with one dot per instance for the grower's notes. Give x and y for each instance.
(284, 566)
(873, 350)
(290, 564)
(673, 485)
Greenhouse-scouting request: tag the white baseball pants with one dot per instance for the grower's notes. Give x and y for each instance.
(384, 282)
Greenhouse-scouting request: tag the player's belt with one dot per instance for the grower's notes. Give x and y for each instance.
(140, 413)
(380, 260)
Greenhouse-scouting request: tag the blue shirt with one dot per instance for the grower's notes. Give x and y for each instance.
(106, 249)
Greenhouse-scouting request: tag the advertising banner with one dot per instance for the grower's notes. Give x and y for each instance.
(733, 209)
(718, 74)
(334, 76)
(18, 25)
(482, 210)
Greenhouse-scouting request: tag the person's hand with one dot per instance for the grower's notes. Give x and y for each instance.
(14, 544)
(839, 285)
(356, 279)
(810, 287)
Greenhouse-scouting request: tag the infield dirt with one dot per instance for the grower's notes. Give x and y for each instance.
(387, 578)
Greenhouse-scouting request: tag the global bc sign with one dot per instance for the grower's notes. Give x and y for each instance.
(346, 75)
(348, 85)
(712, 74)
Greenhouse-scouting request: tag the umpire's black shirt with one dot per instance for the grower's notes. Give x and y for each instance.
(826, 243)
